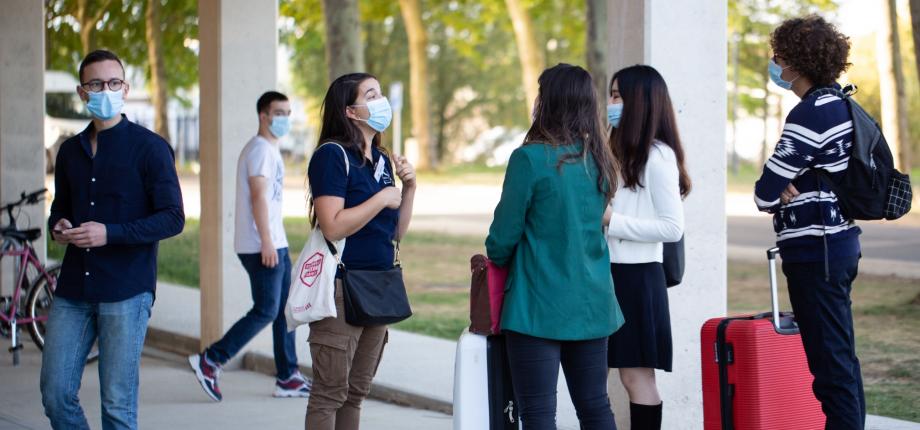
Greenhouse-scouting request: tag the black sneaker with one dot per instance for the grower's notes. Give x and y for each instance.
(207, 373)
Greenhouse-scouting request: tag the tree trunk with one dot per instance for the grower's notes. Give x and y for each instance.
(915, 20)
(891, 84)
(158, 84)
(532, 61)
(597, 47)
(765, 145)
(87, 26)
(418, 82)
(344, 52)
(88, 14)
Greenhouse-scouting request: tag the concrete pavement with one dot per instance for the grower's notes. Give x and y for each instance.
(171, 399)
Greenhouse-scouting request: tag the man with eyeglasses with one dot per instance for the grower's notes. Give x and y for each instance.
(116, 196)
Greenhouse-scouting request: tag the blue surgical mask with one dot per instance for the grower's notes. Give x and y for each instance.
(380, 114)
(106, 104)
(614, 112)
(280, 126)
(776, 75)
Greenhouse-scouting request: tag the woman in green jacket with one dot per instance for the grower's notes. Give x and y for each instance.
(559, 301)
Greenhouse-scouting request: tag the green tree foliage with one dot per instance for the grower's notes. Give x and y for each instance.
(121, 29)
(475, 72)
(750, 23)
(864, 73)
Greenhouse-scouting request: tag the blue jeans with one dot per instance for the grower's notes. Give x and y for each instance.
(72, 328)
(825, 318)
(270, 288)
(535, 372)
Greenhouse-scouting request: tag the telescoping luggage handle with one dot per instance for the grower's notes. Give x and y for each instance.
(724, 351)
(774, 296)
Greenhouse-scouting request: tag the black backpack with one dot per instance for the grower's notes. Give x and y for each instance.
(870, 188)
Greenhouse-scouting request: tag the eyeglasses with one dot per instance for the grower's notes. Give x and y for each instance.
(97, 85)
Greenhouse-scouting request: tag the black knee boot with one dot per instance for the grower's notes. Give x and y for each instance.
(645, 417)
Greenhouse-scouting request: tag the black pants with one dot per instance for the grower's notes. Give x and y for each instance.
(825, 319)
(535, 372)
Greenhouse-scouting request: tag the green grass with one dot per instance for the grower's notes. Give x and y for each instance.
(886, 313)
(177, 261)
(436, 267)
(743, 181)
(470, 173)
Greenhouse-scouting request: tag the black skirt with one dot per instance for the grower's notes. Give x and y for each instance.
(644, 340)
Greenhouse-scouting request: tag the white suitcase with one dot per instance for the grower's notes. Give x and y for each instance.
(471, 383)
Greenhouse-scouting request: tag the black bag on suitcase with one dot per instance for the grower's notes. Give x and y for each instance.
(503, 413)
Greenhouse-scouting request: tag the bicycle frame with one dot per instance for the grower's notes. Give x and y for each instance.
(27, 257)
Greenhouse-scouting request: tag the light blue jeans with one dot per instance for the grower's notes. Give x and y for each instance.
(72, 328)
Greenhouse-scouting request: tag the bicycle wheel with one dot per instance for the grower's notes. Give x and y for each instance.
(41, 294)
(38, 305)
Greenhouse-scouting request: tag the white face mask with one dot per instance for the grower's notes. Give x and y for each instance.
(380, 114)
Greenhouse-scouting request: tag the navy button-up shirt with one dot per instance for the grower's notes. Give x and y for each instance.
(131, 186)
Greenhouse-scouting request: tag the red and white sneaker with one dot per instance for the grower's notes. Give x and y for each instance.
(207, 373)
(294, 386)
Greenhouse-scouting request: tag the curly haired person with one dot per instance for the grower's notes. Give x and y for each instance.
(819, 245)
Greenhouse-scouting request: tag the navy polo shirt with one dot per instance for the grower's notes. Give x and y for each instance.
(371, 247)
(131, 186)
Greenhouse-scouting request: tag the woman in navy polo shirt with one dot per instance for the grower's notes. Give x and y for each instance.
(359, 202)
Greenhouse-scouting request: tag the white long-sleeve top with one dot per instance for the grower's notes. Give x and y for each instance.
(645, 217)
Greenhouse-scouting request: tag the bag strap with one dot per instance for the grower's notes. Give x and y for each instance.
(344, 154)
(332, 249)
(823, 175)
(331, 246)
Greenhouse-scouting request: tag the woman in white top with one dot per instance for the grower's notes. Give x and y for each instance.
(645, 212)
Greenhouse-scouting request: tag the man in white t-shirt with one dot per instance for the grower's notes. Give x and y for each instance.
(262, 247)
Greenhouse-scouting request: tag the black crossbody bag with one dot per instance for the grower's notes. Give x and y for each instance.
(673, 262)
(373, 297)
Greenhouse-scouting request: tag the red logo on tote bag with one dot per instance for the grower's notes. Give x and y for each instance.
(311, 269)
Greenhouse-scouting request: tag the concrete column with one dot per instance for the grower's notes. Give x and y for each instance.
(22, 151)
(238, 40)
(686, 42)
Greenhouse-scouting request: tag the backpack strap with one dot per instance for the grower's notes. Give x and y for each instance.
(844, 93)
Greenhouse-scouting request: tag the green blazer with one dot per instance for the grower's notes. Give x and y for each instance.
(547, 230)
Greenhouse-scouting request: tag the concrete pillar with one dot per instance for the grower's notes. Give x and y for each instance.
(238, 40)
(22, 151)
(686, 42)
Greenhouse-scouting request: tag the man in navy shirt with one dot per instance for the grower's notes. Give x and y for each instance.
(116, 196)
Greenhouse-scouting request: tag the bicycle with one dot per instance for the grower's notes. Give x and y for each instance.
(32, 280)
(33, 290)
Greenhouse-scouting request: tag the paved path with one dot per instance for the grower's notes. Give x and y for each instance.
(895, 242)
(171, 399)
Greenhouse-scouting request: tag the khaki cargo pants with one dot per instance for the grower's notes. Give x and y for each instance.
(345, 360)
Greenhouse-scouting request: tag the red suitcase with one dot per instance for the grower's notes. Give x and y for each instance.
(755, 375)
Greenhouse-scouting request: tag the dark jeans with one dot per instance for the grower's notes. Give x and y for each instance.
(270, 288)
(825, 319)
(535, 373)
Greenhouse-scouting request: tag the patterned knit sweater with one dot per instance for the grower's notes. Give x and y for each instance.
(818, 134)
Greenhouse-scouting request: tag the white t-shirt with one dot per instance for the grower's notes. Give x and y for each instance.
(259, 158)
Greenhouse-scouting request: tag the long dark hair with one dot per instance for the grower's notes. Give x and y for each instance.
(648, 115)
(342, 93)
(565, 113)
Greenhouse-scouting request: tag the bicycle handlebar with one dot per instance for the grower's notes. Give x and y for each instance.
(27, 198)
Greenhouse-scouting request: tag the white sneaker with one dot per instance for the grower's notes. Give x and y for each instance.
(294, 386)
